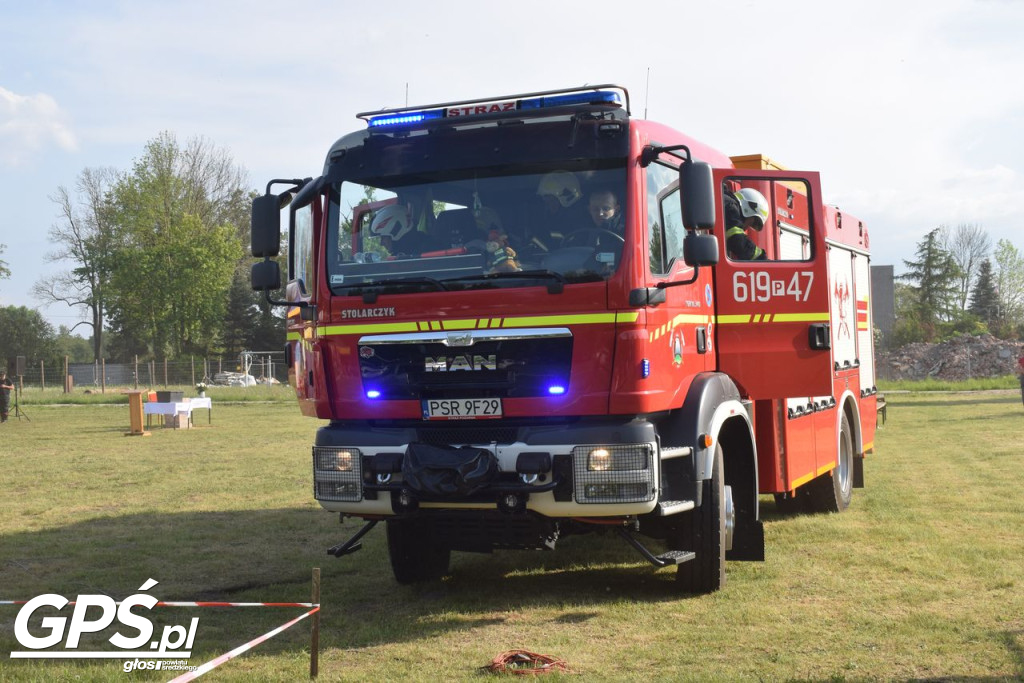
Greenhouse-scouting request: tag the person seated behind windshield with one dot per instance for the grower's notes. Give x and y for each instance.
(394, 228)
(744, 210)
(605, 211)
(559, 213)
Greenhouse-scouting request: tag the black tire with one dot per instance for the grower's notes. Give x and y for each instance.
(415, 556)
(703, 531)
(832, 492)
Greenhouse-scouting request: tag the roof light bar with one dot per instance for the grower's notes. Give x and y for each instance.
(406, 118)
(602, 94)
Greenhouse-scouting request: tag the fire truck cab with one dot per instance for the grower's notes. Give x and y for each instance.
(521, 319)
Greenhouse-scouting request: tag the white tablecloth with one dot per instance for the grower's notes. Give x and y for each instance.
(174, 408)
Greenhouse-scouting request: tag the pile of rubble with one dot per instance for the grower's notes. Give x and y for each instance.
(964, 357)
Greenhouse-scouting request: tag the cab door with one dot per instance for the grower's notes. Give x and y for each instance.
(772, 332)
(302, 283)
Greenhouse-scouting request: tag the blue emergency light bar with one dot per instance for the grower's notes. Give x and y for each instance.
(600, 94)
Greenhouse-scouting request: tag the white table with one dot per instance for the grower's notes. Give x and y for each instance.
(179, 407)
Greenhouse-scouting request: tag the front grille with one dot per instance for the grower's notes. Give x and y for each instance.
(622, 474)
(450, 436)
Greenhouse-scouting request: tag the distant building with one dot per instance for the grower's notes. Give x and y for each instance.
(883, 302)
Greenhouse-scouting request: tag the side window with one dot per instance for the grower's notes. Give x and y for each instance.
(664, 222)
(766, 220)
(301, 249)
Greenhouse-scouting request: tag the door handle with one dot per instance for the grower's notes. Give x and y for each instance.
(819, 336)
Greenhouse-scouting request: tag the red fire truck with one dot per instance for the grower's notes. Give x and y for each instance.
(521, 319)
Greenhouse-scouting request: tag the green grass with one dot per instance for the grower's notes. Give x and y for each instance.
(921, 579)
(932, 384)
(34, 396)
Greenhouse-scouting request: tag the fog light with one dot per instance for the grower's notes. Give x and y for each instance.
(329, 460)
(599, 460)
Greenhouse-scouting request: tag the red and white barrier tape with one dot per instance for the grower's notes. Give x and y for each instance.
(198, 604)
(214, 663)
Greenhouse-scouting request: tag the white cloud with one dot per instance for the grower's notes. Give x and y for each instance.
(30, 123)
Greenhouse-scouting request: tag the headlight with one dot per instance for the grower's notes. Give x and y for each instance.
(620, 473)
(337, 473)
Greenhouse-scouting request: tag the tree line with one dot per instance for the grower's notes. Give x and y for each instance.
(156, 261)
(959, 283)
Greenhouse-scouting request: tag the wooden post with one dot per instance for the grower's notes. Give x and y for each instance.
(103, 376)
(136, 372)
(165, 372)
(314, 640)
(67, 384)
(193, 358)
(42, 374)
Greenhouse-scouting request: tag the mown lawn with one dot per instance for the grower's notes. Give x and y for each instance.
(922, 578)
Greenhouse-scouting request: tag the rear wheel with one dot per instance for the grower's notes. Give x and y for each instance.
(415, 555)
(704, 530)
(832, 492)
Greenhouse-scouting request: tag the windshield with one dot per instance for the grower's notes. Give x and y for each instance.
(481, 228)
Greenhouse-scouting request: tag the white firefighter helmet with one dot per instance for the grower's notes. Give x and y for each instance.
(391, 221)
(753, 205)
(562, 185)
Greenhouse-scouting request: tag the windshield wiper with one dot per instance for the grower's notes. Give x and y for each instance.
(371, 296)
(553, 288)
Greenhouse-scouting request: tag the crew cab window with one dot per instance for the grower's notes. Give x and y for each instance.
(301, 262)
(786, 232)
(665, 230)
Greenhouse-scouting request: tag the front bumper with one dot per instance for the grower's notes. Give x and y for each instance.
(563, 469)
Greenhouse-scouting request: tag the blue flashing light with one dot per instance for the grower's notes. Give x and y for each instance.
(645, 368)
(594, 97)
(556, 390)
(372, 393)
(405, 118)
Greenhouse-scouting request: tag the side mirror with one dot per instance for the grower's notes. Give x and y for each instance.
(266, 276)
(698, 195)
(265, 232)
(700, 249)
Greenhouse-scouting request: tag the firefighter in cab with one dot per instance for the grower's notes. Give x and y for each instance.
(744, 210)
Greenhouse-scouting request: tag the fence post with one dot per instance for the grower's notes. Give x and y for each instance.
(165, 372)
(103, 376)
(67, 385)
(314, 644)
(193, 358)
(42, 374)
(136, 372)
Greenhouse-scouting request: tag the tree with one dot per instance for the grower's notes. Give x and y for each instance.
(24, 332)
(984, 296)
(241, 317)
(85, 237)
(1009, 278)
(180, 213)
(76, 349)
(968, 246)
(5, 272)
(933, 277)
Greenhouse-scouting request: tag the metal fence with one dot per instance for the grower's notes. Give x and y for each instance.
(251, 367)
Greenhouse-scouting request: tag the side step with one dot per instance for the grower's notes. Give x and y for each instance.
(666, 559)
(673, 507)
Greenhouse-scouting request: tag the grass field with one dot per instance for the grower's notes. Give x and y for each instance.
(923, 578)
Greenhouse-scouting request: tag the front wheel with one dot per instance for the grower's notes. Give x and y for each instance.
(705, 530)
(415, 556)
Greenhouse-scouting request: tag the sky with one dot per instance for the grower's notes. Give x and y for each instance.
(913, 112)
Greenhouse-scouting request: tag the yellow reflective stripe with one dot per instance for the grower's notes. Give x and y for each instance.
(802, 317)
(576, 319)
(486, 323)
(802, 480)
(739, 319)
(369, 328)
(735, 230)
(293, 336)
